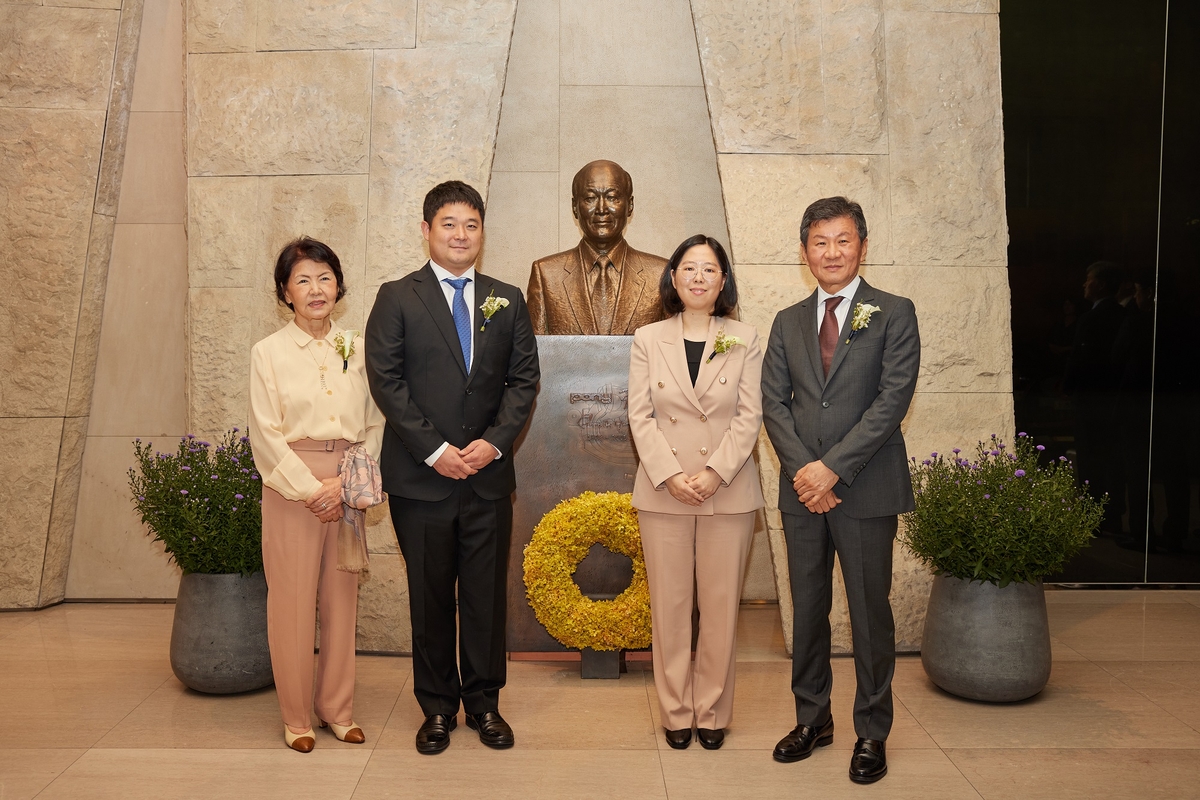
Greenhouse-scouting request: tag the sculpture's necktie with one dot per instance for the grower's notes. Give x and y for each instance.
(462, 317)
(828, 335)
(604, 295)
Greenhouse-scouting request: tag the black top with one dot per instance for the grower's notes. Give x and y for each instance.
(695, 354)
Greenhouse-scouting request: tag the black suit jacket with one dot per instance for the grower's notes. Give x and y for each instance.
(419, 380)
(849, 420)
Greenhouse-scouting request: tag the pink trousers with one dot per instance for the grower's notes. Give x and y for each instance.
(300, 562)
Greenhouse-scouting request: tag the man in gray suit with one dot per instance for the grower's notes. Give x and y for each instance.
(838, 376)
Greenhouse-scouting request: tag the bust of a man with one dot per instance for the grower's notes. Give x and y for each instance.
(602, 285)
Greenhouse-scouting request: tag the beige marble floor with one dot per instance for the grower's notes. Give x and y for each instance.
(91, 710)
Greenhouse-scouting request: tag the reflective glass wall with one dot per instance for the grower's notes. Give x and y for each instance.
(1102, 170)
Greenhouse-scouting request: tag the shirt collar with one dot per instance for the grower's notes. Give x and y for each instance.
(847, 291)
(301, 337)
(441, 273)
(589, 256)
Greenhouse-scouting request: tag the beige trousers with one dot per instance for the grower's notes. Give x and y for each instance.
(300, 562)
(702, 557)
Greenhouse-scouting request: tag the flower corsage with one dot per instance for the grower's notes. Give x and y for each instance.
(861, 318)
(490, 306)
(723, 344)
(344, 344)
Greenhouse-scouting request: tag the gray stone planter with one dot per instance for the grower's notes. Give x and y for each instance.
(219, 636)
(986, 643)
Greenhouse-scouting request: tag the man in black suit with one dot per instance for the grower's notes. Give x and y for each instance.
(838, 376)
(452, 363)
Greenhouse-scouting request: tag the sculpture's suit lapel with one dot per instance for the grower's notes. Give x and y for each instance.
(576, 292)
(633, 283)
(425, 284)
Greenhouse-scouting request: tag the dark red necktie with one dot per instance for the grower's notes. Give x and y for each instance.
(829, 333)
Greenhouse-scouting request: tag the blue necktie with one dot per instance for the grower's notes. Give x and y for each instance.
(462, 317)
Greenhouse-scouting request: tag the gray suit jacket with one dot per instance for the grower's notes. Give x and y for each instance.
(850, 420)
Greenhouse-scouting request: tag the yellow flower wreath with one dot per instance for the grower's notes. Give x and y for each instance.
(560, 541)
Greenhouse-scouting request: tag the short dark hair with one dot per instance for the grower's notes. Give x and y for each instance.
(726, 300)
(450, 192)
(832, 208)
(305, 249)
(1109, 273)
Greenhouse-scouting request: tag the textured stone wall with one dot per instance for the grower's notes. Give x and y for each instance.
(895, 104)
(331, 119)
(64, 100)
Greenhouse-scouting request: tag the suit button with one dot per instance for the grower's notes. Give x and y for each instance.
(674, 420)
(661, 384)
(825, 404)
(469, 391)
(703, 451)
(674, 451)
(704, 418)
(722, 379)
(332, 419)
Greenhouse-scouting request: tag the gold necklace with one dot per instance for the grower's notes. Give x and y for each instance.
(321, 366)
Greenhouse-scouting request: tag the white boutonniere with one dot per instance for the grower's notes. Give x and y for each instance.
(490, 306)
(344, 344)
(723, 344)
(861, 318)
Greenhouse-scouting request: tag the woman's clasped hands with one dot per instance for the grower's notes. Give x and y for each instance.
(694, 490)
(326, 502)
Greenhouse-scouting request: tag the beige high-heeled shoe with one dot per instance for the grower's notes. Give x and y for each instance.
(351, 733)
(300, 742)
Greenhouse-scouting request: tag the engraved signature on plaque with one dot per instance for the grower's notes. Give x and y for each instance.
(600, 420)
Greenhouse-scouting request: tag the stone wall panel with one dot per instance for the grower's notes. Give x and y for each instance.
(219, 324)
(384, 625)
(61, 527)
(656, 41)
(335, 24)
(477, 22)
(434, 118)
(56, 57)
(779, 187)
(224, 240)
(803, 77)
(279, 113)
(91, 316)
(27, 461)
(221, 26)
(48, 162)
(966, 337)
(946, 138)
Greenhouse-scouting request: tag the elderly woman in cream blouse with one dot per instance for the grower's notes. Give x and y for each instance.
(308, 404)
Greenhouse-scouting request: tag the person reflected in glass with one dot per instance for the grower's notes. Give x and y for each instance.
(308, 404)
(695, 409)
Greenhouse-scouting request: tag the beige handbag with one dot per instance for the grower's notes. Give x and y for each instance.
(362, 487)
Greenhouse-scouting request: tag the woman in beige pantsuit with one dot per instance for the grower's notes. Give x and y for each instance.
(307, 406)
(695, 408)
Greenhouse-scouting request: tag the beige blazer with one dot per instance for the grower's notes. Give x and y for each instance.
(680, 428)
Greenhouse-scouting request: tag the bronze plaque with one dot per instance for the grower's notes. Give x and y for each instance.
(577, 439)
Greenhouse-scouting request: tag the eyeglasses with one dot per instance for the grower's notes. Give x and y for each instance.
(709, 274)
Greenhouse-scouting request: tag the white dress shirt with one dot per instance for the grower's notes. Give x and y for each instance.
(843, 308)
(469, 295)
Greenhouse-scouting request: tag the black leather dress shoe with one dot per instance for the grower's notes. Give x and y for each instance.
(869, 762)
(800, 743)
(493, 730)
(678, 739)
(434, 734)
(711, 738)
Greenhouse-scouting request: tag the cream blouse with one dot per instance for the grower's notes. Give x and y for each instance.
(288, 403)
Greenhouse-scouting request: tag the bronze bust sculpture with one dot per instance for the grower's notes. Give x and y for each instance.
(602, 285)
